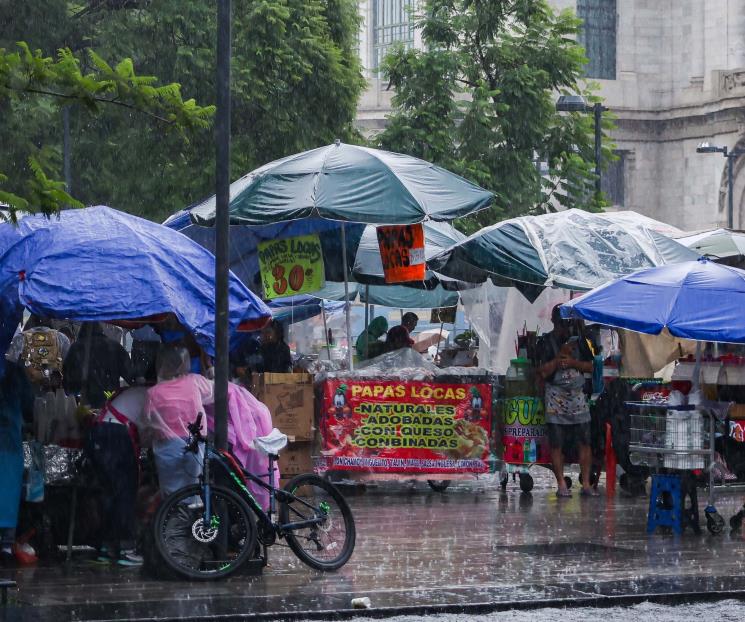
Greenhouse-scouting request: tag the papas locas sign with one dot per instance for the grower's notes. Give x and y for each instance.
(406, 427)
(291, 266)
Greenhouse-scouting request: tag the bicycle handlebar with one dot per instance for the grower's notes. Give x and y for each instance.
(195, 435)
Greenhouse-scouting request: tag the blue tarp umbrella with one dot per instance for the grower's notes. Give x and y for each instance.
(698, 300)
(99, 264)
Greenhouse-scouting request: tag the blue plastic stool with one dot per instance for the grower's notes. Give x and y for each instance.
(664, 510)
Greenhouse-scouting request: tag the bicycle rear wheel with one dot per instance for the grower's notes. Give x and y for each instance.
(328, 544)
(195, 550)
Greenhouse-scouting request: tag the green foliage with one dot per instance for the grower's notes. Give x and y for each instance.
(480, 100)
(27, 77)
(296, 79)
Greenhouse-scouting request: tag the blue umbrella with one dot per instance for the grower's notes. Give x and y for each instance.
(699, 300)
(99, 264)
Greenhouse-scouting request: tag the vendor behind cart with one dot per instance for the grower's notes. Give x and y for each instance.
(563, 362)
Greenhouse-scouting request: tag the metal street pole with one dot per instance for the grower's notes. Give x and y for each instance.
(730, 188)
(222, 223)
(597, 110)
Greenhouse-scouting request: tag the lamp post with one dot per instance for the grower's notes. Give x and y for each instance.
(577, 103)
(222, 232)
(731, 156)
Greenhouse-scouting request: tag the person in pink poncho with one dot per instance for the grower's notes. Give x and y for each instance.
(170, 406)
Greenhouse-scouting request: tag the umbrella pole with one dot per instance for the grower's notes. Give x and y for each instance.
(439, 341)
(348, 310)
(325, 328)
(367, 321)
(697, 368)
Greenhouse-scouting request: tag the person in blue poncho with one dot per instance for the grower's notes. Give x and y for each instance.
(16, 403)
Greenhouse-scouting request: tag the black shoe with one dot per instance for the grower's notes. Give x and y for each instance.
(736, 521)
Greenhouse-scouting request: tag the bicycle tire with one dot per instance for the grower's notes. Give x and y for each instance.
(201, 560)
(292, 510)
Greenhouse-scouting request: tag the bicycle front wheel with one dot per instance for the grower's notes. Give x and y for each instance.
(202, 550)
(318, 522)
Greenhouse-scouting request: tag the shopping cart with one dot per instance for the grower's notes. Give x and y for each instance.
(667, 437)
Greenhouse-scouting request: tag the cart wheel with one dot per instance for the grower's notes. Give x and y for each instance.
(594, 477)
(568, 482)
(503, 482)
(526, 482)
(714, 521)
(438, 485)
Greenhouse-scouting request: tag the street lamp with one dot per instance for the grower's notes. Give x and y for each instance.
(577, 103)
(731, 156)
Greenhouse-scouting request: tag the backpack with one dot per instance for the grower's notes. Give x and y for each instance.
(41, 355)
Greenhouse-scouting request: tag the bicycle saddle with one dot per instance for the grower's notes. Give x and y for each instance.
(272, 443)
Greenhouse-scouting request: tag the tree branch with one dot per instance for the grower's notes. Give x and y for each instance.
(101, 100)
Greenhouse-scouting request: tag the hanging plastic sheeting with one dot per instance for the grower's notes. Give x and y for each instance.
(572, 249)
(348, 183)
(99, 264)
(498, 314)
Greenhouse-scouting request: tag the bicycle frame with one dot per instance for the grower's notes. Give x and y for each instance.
(238, 478)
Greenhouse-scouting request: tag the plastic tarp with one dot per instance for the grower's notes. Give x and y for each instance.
(698, 300)
(99, 264)
(498, 314)
(721, 245)
(572, 249)
(244, 242)
(351, 183)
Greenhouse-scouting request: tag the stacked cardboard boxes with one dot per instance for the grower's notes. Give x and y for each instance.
(290, 399)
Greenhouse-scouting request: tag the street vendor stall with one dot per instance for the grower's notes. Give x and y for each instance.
(572, 250)
(697, 300)
(101, 265)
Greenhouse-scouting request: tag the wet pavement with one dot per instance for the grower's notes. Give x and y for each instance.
(472, 548)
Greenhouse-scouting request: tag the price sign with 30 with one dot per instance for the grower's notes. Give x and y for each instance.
(291, 266)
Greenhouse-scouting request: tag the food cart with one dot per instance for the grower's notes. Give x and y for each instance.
(418, 421)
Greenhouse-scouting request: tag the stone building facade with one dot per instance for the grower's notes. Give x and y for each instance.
(673, 73)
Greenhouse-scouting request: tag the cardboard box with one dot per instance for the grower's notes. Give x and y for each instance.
(290, 400)
(294, 459)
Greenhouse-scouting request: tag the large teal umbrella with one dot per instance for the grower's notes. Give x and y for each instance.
(348, 183)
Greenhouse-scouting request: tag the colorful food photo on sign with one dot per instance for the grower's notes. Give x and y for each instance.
(291, 266)
(407, 427)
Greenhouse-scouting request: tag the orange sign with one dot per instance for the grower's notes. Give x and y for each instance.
(402, 252)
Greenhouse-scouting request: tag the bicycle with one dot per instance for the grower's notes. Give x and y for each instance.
(207, 531)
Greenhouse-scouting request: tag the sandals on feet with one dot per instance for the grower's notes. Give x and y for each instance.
(565, 492)
(589, 492)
